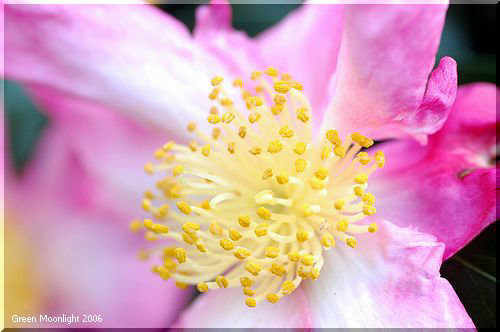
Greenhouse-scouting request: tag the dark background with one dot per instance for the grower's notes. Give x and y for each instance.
(468, 37)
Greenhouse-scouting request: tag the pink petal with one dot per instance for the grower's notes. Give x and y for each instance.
(306, 44)
(391, 279)
(227, 309)
(448, 187)
(131, 58)
(386, 56)
(85, 265)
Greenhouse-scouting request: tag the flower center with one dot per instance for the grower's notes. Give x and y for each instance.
(257, 201)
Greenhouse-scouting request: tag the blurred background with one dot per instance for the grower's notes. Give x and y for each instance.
(468, 37)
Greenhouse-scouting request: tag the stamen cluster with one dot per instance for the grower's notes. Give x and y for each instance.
(256, 202)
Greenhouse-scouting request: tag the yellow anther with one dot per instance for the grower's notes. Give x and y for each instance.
(168, 146)
(361, 140)
(267, 174)
(150, 236)
(314, 274)
(135, 225)
(190, 227)
(215, 133)
(246, 94)
(216, 80)
(372, 228)
(160, 229)
(215, 228)
(246, 282)
(248, 292)
(191, 126)
(264, 213)
(202, 287)
(300, 165)
(316, 183)
(159, 154)
(169, 252)
(180, 254)
(273, 298)
(255, 75)
(231, 146)
(148, 223)
(213, 94)
(307, 260)
(361, 178)
(244, 221)
(328, 241)
(380, 159)
(200, 246)
(332, 135)
(351, 242)
(339, 151)
(286, 77)
(296, 85)
(368, 198)
(254, 117)
(149, 194)
(321, 173)
(178, 170)
(214, 110)
(261, 229)
(148, 168)
(342, 226)
(282, 178)
(271, 71)
(193, 145)
(275, 147)
(205, 205)
(238, 83)
(281, 86)
(227, 117)
(286, 132)
(143, 255)
(363, 158)
(163, 272)
(288, 287)
(242, 253)
(279, 99)
(205, 150)
(276, 109)
(161, 212)
(146, 204)
(226, 102)
(189, 238)
(184, 207)
(302, 236)
(259, 89)
(250, 301)
(300, 148)
(339, 204)
(256, 101)
(221, 281)
(293, 256)
(369, 210)
(277, 269)
(303, 114)
(234, 234)
(272, 252)
(242, 131)
(358, 191)
(303, 273)
(226, 244)
(213, 119)
(253, 268)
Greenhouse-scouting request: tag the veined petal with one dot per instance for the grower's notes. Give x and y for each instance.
(225, 309)
(448, 187)
(116, 57)
(306, 44)
(390, 280)
(386, 56)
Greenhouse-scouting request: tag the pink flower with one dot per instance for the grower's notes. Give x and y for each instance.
(115, 87)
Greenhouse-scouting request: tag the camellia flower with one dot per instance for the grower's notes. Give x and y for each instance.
(268, 197)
